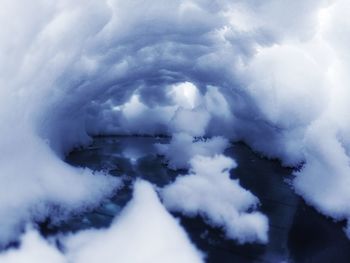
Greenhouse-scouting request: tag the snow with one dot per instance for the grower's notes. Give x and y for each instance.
(209, 192)
(183, 147)
(243, 70)
(144, 232)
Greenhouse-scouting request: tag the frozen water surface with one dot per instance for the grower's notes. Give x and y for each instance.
(297, 232)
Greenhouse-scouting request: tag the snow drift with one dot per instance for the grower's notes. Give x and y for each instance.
(140, 234)
(208, 191)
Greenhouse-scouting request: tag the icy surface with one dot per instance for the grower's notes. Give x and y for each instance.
(296, 231)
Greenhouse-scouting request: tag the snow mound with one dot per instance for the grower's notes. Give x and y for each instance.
(209, 192)
(143, 233)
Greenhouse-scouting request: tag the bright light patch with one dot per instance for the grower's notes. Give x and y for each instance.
(185, 95)
(324, 18)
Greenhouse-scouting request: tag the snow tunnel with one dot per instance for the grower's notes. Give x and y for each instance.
(203, 81)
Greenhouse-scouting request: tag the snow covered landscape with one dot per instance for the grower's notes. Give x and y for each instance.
(174, 131)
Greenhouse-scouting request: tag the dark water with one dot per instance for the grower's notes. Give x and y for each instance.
(297, 232)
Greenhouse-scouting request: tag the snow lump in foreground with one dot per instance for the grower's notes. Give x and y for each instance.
(144, 233)
(209, 192)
